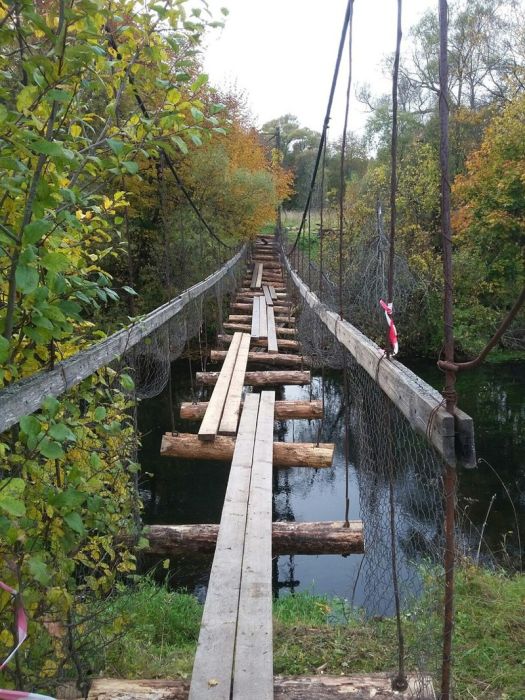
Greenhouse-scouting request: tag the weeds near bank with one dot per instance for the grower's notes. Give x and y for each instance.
(318, 634)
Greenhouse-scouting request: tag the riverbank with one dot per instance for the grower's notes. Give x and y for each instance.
(158, 631)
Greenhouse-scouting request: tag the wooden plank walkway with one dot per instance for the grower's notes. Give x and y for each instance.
(234, 659)
(253, 665)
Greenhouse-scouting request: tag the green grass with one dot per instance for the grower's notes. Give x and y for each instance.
(314, 633)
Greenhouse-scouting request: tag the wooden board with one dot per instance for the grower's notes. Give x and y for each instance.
(452, 436)
(273, 293)
(255, 318)
(263, 318)
(232, 405)
(253, 663)
(26, 396)
(210, 424)
(254, 276)
(259, 274)
(214, 656)
(267, 295)
(272, 335)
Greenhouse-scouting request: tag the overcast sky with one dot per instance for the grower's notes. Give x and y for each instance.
(282, 54)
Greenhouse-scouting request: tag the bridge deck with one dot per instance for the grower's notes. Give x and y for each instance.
(234, 658)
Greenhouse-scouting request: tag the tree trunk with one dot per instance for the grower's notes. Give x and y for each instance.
(359, 687)
(284, 410)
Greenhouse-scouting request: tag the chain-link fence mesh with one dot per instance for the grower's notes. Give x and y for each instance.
(400, 481)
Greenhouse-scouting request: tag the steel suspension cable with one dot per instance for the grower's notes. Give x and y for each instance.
(342, 179)
(399, 682)
(346, 23)
(169, 162)
(321, 226)
(342, 189)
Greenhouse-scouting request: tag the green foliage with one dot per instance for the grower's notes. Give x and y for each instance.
(65, 494)
(75, 141)
(160, 631)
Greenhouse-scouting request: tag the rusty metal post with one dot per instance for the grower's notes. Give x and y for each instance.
(450, 376)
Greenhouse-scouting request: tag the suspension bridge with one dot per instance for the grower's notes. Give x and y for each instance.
(262, 350)
(280, 329)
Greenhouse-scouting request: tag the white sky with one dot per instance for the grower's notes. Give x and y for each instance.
(282, 54)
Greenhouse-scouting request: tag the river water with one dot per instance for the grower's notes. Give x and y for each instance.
(186, 491)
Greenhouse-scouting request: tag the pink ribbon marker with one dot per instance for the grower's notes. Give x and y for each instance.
(21, 626)
(392, 332)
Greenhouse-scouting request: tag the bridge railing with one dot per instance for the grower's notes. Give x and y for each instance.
(26, 396)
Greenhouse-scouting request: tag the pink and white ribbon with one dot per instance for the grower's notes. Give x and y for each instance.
(21, 627)
(22, 695)
(392, 332)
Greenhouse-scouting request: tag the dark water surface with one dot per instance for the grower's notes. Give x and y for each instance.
(182, 491)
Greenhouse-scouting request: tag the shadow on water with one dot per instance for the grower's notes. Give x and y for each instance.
(177, 491)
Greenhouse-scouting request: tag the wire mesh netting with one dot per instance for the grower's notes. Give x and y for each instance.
(400, 482)
(149, 361)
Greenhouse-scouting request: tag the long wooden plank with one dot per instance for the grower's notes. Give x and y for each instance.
(452, 436)
(263, 318)
(215, 650)
(26, 396)
(273, 293)
(253, 663)
(257, 275)
(267, 295)
(254, 276)
(255, 318)
(210, 424)
(272, 335)
(232, 406)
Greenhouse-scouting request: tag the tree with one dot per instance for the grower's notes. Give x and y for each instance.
(489, 223)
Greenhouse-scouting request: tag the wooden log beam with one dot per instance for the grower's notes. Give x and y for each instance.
(285, 454)
(282, 343)
(284, 410)
(245, 318)
(330, 537)
(246, 306)
(280, 289)
(261, 378)
(245, 328)
(248, 295)
(266, 358)
(358, 687)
